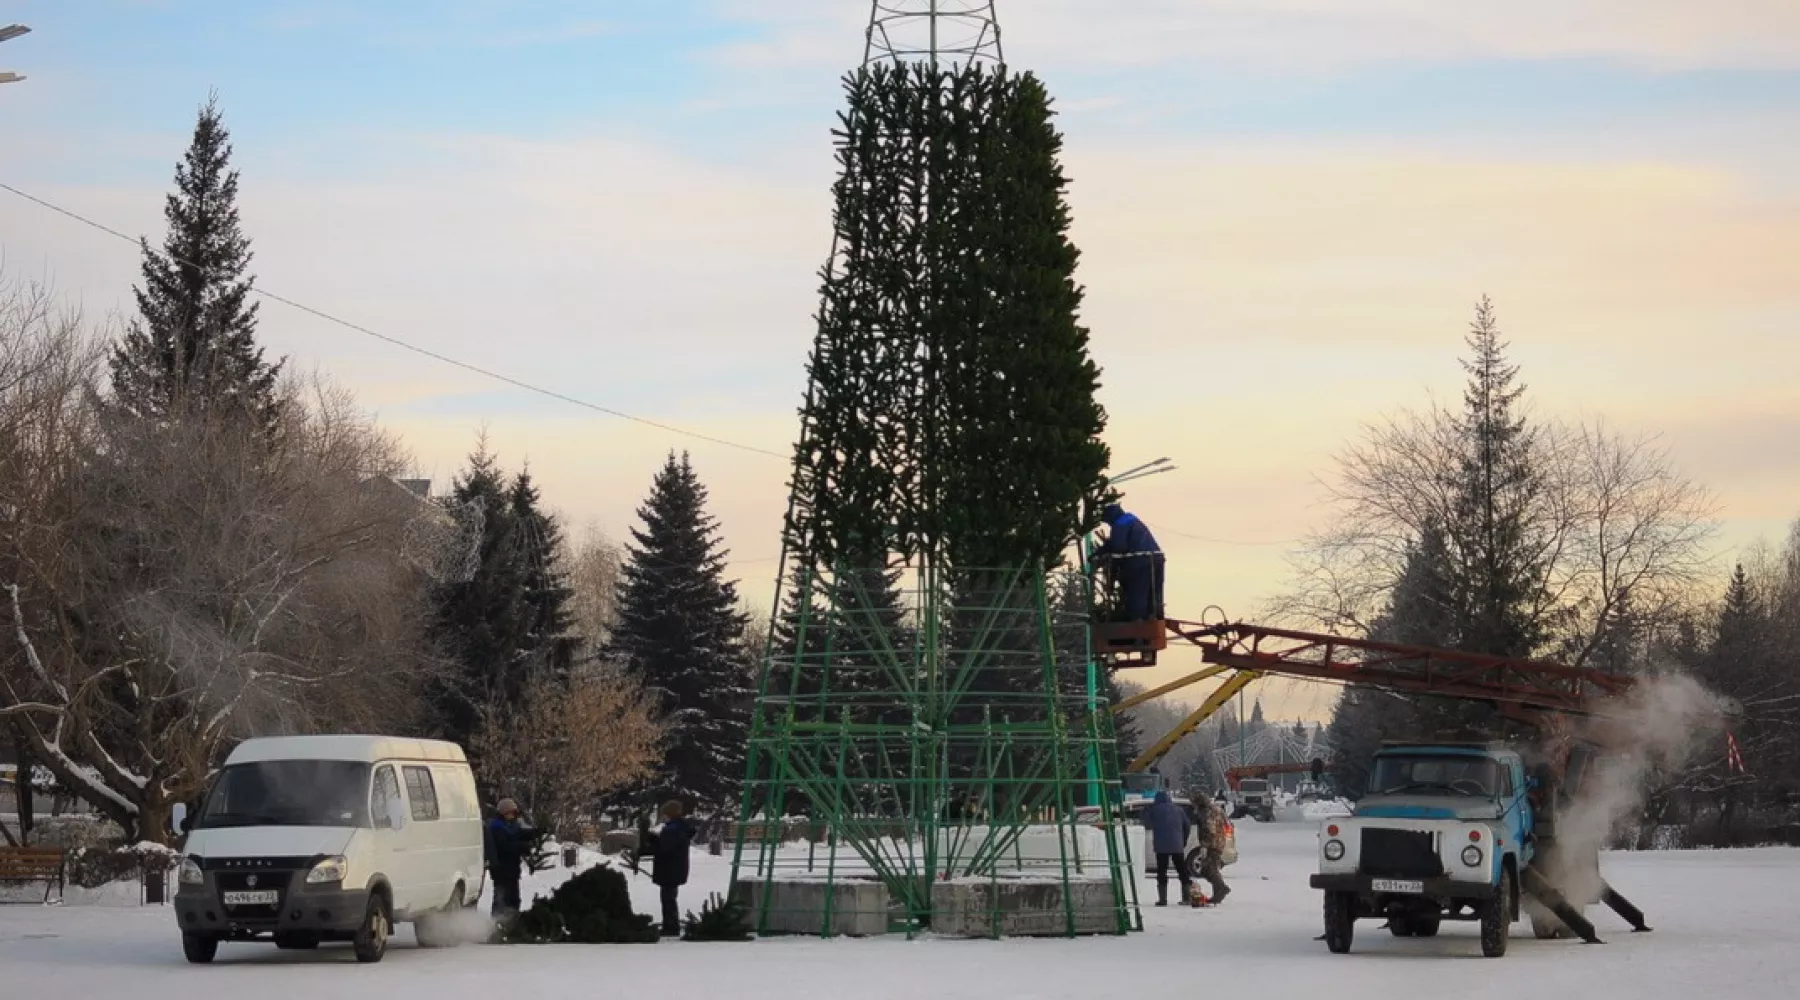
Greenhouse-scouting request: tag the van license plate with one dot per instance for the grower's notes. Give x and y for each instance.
(267, 897)
(1396, 885)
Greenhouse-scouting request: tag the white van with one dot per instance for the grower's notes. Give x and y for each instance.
(304, 839)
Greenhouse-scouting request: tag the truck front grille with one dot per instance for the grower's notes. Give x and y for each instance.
(1399, 854)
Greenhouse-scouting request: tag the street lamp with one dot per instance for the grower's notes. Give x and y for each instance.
(8, 33)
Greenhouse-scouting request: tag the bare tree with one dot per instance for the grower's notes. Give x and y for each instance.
(568, 745)
(593, 576)
(171, 585)
(1611, 525)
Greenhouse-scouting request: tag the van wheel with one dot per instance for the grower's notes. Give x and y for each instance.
(436, 930)
(199, 948)
(371, 939)
(1340, 921)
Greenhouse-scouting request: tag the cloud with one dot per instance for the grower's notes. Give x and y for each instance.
(1311, 37)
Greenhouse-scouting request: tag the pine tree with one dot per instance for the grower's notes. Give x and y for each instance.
(193, 345)
(680, 632)
(484, 623)
(549, 641)
(1418, 614)
(1495, 568)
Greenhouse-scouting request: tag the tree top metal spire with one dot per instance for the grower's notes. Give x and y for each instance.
(955, 31)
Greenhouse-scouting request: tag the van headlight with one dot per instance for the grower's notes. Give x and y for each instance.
(1472, 856)
(190, 872)
(333, 869)
(1334, 850)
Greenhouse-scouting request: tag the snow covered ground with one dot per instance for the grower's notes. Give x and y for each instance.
(1726, 926)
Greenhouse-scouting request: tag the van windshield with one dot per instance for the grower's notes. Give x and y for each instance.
(289, 793)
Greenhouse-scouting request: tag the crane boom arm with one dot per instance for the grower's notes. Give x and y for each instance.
(1538, 692)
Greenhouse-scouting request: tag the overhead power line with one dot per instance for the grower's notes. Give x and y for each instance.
(404, 345)
(1150, 469)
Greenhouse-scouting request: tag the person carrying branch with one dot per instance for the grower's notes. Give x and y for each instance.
(508, 841)
(668, 850)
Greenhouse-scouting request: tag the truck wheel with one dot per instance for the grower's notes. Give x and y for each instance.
(1496, 919)
(371, 939)
(1426, 926)
(1340, 921)
(1400, 926)
(199, 948)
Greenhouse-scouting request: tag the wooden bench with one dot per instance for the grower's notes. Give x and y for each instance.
(26, 865)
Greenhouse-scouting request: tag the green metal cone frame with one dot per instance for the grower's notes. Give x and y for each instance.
(940, 741)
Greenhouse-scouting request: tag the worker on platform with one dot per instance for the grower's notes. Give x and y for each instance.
(1137, 564)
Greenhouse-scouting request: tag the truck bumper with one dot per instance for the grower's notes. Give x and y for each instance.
(1440, 888)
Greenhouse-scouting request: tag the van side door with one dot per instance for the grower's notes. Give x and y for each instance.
(389, 857)
(433, 866)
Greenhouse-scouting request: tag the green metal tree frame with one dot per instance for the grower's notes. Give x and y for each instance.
(954, 743)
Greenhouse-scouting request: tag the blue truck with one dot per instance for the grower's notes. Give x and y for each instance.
(1460, 831)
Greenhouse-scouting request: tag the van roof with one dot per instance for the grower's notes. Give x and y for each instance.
(344, 747)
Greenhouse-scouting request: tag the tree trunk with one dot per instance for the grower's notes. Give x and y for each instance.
(27, 811)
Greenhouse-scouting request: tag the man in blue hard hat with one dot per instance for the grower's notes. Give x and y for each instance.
(1137, 563)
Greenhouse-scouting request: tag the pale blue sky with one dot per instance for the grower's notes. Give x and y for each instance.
(1286, 208)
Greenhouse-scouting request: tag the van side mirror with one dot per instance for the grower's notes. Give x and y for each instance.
(396, 814)
(178, 818)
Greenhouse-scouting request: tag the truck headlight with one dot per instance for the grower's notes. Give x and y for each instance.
(1472, 856)
(332, 869)
(1334, 850)
(190, 872)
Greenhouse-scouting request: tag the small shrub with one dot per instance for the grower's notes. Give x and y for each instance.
(720, 919)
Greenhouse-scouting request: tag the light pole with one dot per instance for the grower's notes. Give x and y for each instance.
(7, 34)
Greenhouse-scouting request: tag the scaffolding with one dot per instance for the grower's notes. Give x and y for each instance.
(919, 758)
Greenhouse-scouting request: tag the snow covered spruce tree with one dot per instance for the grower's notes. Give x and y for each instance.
(681, 635)
(193, 345)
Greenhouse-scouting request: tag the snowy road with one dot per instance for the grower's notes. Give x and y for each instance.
(1726, 926)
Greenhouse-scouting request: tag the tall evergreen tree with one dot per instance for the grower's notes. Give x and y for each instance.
(549, 641)
(193, 345)
(1495, 569)
(1419, 613)
(481, 621)
(680, 632)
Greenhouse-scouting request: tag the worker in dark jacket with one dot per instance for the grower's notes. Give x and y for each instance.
(669, 850)
(507, 842)
(1137, 564)
(1168, 824)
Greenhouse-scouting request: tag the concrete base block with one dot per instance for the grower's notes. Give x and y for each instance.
(1028, 907)
(859, 908)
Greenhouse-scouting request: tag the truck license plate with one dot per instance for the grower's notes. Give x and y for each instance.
(1396, 885)
(266, 897)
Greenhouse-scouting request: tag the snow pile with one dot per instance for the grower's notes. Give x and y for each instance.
(1326, 809)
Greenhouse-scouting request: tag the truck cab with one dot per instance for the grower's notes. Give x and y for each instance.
(1256, 799)
(1443, 833)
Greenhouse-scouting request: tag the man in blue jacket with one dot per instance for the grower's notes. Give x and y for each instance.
(508, 841)
(1137, 563)
(1169, 826)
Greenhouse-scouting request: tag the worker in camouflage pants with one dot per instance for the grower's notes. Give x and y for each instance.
(1212, 837)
